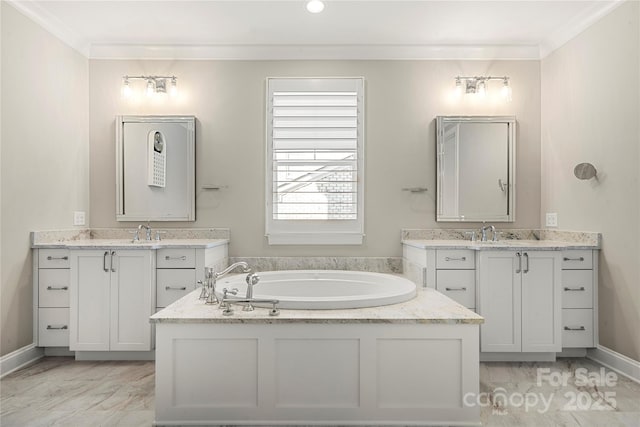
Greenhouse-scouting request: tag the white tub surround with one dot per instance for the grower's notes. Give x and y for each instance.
(409, 363)
(537, 290)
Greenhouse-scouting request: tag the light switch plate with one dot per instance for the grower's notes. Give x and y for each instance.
(552, 219)
(78, 218)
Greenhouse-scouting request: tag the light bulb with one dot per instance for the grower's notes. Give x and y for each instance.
(506, 90)
(173, 90)
(315, 6)
(482, 88)
(458, 88)
(126, 88)
(150, 87)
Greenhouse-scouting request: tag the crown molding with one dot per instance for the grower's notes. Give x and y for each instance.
(314, 52)
(51, 24)
(577, 26)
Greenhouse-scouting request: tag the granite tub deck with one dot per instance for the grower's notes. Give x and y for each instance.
(403, 364)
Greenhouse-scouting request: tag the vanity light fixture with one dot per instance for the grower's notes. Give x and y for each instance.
(315, 6)
(154, 84)
(479, 85)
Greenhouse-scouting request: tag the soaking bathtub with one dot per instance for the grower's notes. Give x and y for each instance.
(325, 289)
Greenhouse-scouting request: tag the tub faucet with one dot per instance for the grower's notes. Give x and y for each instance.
(483, 232)
(252, 280)
(213, 276)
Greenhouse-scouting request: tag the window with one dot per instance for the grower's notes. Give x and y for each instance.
(315, 140)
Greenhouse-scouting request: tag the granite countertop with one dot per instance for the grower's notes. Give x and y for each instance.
(428, 307)
(549, 245)
(128, 244)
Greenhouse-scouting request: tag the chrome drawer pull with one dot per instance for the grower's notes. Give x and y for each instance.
(581, 328)
(61, 288)
(573, 259)
(581, 288)
(456, 289)
(464, 258)
(180, 258)
(175, 288)
(53, 328)
(51, 258)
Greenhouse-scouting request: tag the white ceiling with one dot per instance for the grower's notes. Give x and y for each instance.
(240, 29)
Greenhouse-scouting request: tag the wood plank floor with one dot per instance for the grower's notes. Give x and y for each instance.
(58, 391)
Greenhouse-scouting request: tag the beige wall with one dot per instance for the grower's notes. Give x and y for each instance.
(45, 156)
(402, 100)
(590, 113)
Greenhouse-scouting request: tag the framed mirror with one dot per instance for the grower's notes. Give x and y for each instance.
(475, 168)
(155, 168)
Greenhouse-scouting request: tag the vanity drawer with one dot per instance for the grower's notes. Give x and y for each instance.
(173, 284)
(455, 258)
(53, 258)
(577, 260)
(459, 285)
(577, 327)
(53, 327)
(577, 289)
(176, 258)
(53, 287)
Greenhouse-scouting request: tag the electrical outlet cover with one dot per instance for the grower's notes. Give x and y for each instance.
(551, 220)
(78, 218)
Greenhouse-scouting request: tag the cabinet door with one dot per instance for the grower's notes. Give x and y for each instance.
(89, 300)
(541, 305)
(131, 302)
(500, 301)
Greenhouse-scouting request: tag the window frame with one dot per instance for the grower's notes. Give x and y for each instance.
(314, 232)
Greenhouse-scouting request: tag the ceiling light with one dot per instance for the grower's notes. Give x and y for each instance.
(315, 6)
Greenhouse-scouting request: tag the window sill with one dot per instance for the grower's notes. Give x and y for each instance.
(315, 239)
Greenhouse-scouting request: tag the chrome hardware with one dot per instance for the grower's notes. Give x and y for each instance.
(472, 235)
(64, 258)
(113, 269)
(228, 311)
(147, 229)
(502, 185)
(53, 288)
(53, 328)
(203, 291)
(136, 236)
(212, 278)
(581, 288)
(252, 280)
(526, 257)
(464, 258)
(104, 261)
(573, 259)
(483, 233)
(175, 288)
(158, 233)
(580, 328)
(226, 291)
(519, 255)
(415, 189)
(179, 258)
(455, 289)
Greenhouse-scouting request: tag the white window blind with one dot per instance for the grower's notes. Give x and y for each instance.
(314, 141)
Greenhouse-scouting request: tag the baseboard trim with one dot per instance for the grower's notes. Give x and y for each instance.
(615, 361)
(517, 357)
(19, 359)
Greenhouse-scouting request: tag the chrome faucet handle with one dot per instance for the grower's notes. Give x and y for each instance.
(496, 236)
(158, 233)
(136, 235)
(472, 235)
(274, 310)
(225, 291)
(203, 291)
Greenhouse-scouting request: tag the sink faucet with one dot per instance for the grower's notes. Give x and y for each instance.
(213, 277)
(147, 228)
(483, 232)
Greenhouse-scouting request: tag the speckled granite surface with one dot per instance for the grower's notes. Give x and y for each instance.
(375, 264)
(509, 239)
(428, 307)
(121, 238)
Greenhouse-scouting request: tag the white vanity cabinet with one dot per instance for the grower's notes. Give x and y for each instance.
(579, 298)
(112, 297)
(456, 275)
(520, 300)
(52, 297)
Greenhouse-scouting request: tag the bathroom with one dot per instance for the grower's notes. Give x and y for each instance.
(575, 95)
